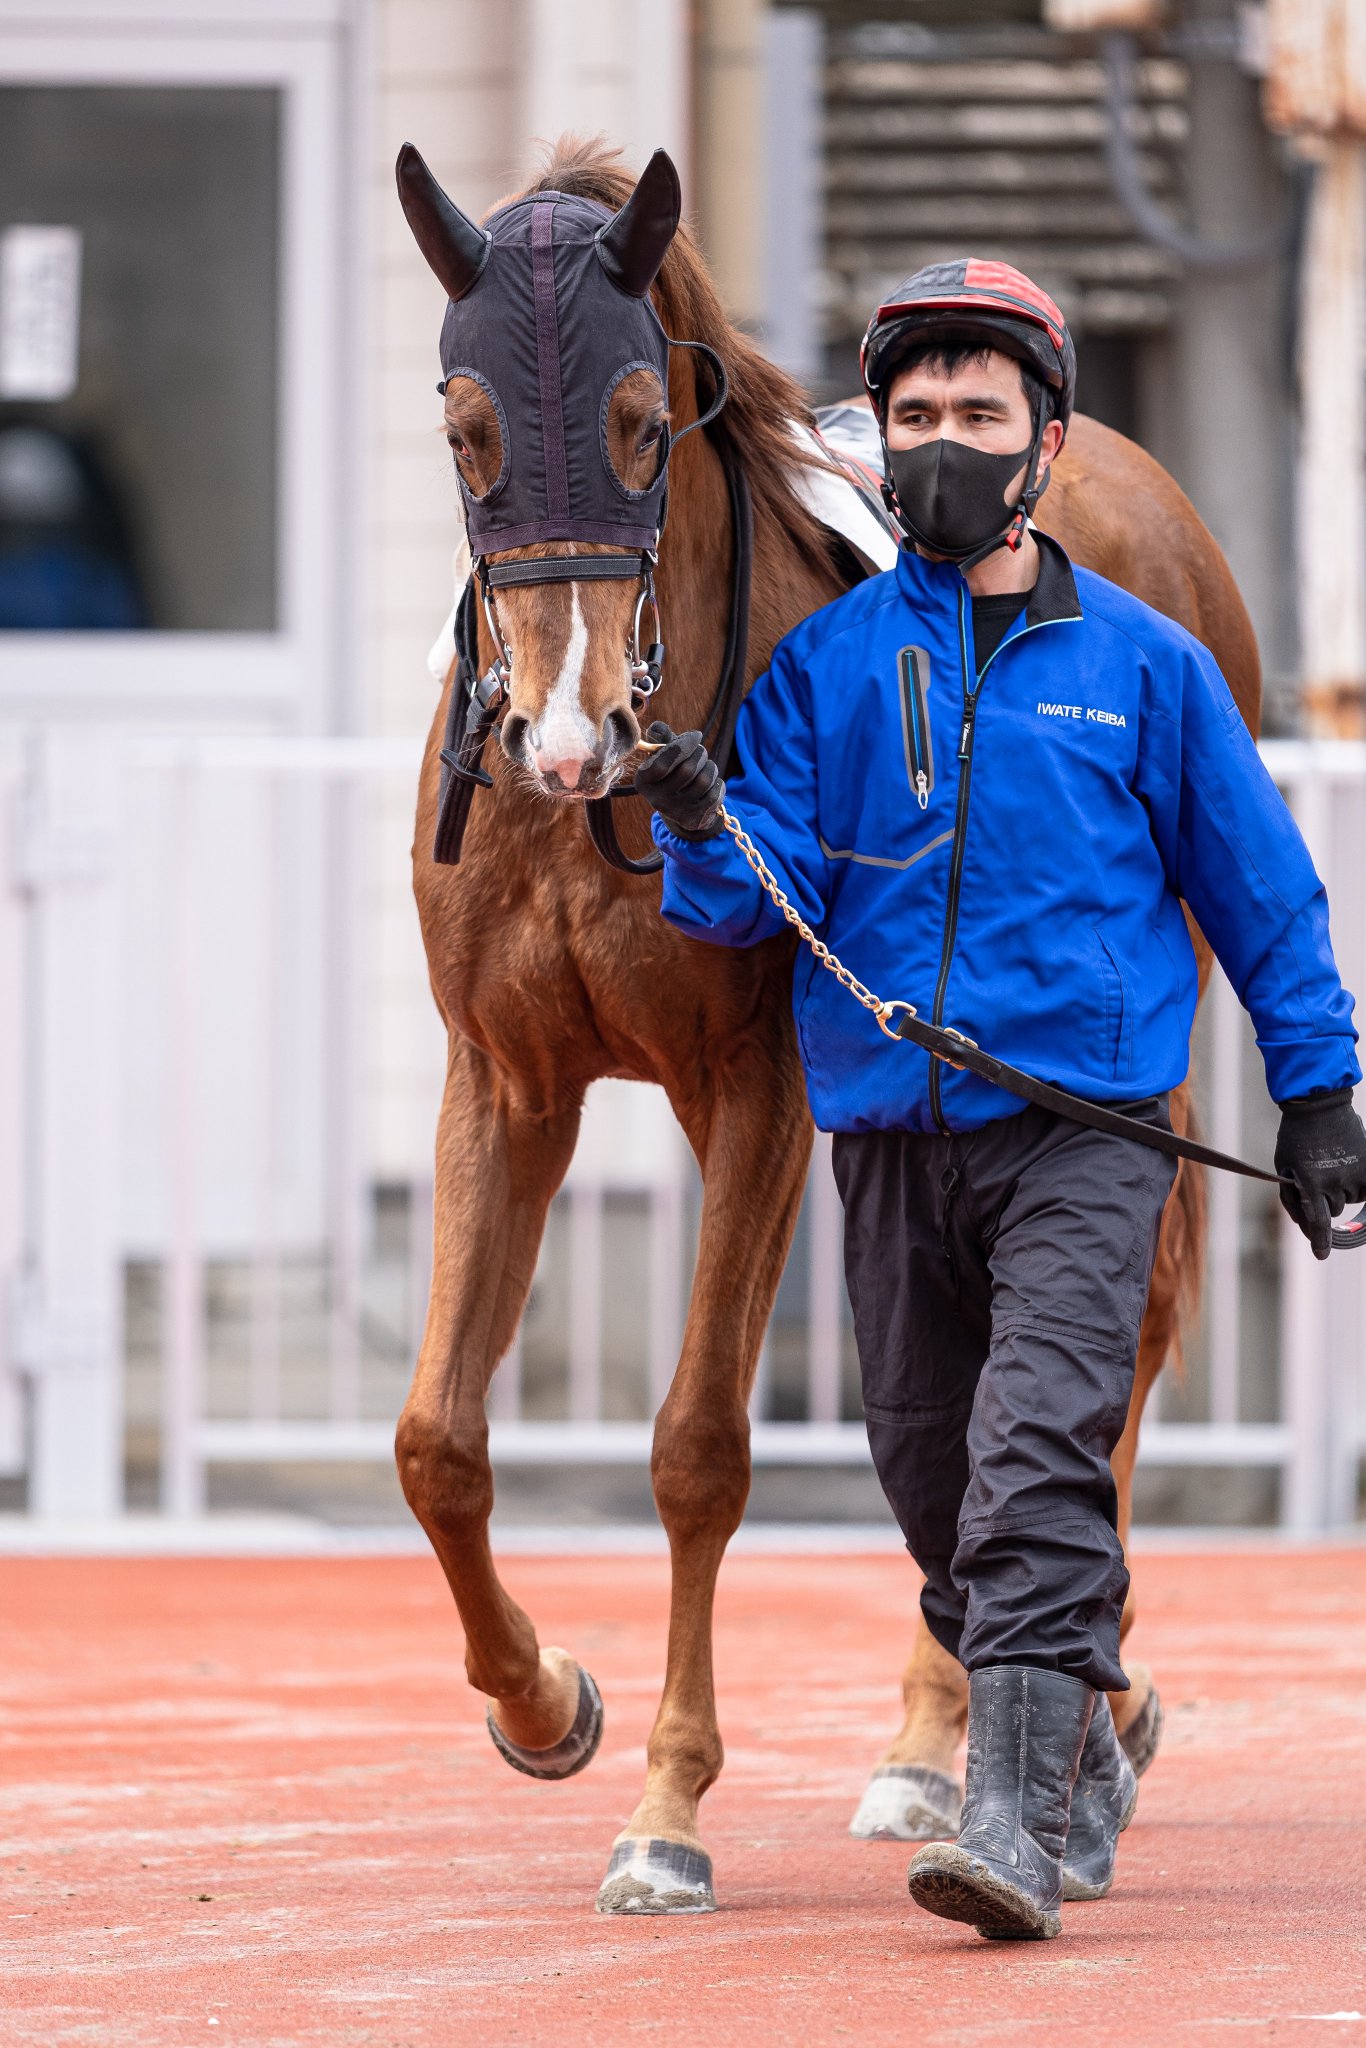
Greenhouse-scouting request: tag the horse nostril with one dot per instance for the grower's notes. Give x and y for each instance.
(512, 735)
(620, 735)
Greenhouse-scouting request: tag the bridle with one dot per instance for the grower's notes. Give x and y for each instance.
(483, 699)
(646, 665)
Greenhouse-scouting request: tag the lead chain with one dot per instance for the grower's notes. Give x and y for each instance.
(768, 882)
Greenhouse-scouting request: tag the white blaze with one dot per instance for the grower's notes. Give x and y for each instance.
(565, 735)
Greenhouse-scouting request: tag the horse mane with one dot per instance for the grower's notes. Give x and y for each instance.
(763, 400)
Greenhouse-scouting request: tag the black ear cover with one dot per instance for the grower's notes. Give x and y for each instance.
(454, 247)
(635, 241)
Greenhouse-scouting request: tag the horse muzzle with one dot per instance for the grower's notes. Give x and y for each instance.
(570, 767)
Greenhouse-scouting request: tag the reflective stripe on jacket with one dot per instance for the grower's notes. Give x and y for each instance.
(1006, 850)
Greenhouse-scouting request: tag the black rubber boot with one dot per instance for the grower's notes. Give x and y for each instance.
(1003, 1876)
(1103, 1802)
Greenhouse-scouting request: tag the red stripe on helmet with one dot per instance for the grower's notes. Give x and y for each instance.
(1003, 277)
(987, 288)
(975, 302)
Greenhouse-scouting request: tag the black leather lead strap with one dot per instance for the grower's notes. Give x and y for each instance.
(960, 1052)
(602, 830)
(946, 1045)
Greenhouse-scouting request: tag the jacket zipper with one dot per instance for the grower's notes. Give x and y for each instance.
(971, 691)
(916, 712)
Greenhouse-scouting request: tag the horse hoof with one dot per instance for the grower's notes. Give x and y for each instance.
(571, 1753)
(908, 1803)
(654, 1876)
(1141, 1738)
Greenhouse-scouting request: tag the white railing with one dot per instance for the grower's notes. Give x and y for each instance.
(219, 1246)
(14, 1157)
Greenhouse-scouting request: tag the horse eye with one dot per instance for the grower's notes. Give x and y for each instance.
(649, 435)
(457, 444)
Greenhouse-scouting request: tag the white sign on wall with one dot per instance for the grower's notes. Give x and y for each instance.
(40, 311)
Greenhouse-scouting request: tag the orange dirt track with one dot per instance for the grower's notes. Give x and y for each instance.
(253, 1802)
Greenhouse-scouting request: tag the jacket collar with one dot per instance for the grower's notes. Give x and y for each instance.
(1054, 596)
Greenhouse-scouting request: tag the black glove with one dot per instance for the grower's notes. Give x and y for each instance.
(1322, 1147)
(682, 783)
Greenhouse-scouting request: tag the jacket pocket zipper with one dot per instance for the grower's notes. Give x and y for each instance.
(914, 666)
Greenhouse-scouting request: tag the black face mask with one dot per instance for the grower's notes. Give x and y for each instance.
(952, 497)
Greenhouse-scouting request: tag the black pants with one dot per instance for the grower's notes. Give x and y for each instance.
(998, 1279)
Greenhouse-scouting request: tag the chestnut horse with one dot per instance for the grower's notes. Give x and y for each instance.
(552, 969)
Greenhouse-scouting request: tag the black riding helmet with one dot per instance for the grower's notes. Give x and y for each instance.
(991, 305)
(969, 300)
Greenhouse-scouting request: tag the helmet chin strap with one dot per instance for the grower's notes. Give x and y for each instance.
(1011, 536)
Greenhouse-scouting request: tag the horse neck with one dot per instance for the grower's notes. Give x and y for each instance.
(695, 580)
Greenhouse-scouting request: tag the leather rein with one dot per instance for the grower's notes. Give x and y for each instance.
(478, 701)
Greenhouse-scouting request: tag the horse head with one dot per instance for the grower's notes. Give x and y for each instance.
(555, 380)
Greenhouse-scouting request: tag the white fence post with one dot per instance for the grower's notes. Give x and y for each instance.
(70, 1323)
(183, 1489)
(825, 1286)
(1305, 1389)
(13, 1149)
(1316, 1376)
(1224, 1277)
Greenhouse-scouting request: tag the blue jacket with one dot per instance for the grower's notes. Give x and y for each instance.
(1007, 850)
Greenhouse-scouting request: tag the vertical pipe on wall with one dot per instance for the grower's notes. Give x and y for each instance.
(616, 68)
(1233, 449)
(791, 225)
(730, 151)
(1331, 500)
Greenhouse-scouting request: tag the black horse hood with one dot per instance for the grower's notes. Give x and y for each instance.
(549, 310)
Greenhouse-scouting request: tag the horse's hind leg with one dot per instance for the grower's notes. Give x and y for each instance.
(913, 1794)
(754, 1145)
(1175, 1284)
(499, 1161)
(1138, 1712)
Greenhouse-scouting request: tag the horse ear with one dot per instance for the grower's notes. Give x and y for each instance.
(454, 247)
(635, 241)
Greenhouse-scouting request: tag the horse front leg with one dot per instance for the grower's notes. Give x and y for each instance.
(500, 1159)
(754, 1144)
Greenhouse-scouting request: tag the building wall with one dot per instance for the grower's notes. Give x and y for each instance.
(479, 86)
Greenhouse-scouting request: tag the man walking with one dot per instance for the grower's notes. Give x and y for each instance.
(989, 780)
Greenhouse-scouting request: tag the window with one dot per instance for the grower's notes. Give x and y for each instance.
(147, 495)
